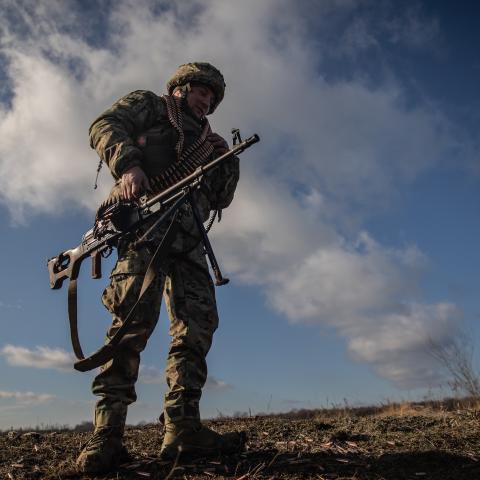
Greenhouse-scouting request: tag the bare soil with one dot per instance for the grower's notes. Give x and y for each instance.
(394, 443)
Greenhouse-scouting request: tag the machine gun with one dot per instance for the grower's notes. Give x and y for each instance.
(119, 219)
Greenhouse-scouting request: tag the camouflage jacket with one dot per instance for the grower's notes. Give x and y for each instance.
(116, 134)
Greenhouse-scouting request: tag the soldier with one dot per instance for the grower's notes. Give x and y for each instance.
(138, 138)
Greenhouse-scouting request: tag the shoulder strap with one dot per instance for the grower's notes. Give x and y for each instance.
(109, 349)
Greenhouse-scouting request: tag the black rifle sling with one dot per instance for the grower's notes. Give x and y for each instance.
(108, 350)
(72, 317)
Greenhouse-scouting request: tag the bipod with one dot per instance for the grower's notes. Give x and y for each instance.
(219, 278)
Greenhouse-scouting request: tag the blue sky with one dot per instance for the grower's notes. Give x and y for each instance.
(353, 237)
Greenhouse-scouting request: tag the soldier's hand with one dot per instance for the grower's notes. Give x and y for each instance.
(133, 183)
(219, 143)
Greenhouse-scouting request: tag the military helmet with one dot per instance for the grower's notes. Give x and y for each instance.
(201, 72)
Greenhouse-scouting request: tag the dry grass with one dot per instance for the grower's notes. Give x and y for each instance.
(432, 440)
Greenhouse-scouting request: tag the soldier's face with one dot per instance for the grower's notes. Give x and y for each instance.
(199, 99)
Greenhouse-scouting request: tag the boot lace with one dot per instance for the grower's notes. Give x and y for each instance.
(100, 437)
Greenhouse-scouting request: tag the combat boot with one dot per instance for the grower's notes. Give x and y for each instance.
(104, 450)
(195, 440)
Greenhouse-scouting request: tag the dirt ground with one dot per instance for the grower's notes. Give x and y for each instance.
(402, 442)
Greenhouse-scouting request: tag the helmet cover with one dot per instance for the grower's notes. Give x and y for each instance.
(199, 72)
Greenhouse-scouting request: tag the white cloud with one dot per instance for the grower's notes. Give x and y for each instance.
(152, 375)
(397, 344)
(213, 383)
(40, 357)
(8, 305)
(346, 133)
(332, 153)
(26, 398)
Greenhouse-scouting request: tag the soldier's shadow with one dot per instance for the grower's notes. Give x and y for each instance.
(267, 464)
(434, 464)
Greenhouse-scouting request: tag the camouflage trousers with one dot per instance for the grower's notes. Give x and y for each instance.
(189, 293)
